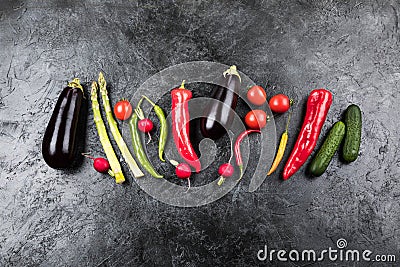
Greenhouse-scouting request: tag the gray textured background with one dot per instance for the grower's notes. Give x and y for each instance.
(81, 218)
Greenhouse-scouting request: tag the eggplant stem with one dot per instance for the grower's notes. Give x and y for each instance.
(232, 71)
(76, 83)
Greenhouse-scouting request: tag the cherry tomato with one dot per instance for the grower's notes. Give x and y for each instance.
(183, 170)
(279, 103)
(123, 110)
(256, 95)
(145, 125)
(256, 119)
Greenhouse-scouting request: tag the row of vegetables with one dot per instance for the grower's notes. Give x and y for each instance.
(60, 150)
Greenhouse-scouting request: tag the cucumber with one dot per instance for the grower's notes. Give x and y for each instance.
(352, 139)
(328, 149)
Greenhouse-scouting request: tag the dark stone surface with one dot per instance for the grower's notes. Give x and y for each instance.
(81, 218)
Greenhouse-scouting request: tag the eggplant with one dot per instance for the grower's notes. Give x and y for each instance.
(218, 116)
(60, 144)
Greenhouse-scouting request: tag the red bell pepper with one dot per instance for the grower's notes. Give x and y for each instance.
(180, 126)
(318, 105)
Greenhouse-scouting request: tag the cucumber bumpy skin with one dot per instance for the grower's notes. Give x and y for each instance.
(324, 156)
(352, 140)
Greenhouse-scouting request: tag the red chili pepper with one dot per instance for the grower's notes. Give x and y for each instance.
(180, 126)
(318, 105)
(238, 155)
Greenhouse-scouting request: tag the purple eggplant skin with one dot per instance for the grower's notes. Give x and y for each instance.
(60, 144)
(218, 116)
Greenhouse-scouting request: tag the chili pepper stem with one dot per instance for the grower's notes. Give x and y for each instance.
(140, 102)
(148, 100)
(241, 172)
(182, 85)
(290, 115)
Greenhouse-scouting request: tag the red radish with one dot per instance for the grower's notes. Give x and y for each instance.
(145, 125)
(183, 171)
(100, 164)
(225, 170)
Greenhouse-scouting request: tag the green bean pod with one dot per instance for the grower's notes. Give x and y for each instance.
(138, 148)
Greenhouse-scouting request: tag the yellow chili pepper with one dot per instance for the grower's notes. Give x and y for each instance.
(279, 154)
(282, 146)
